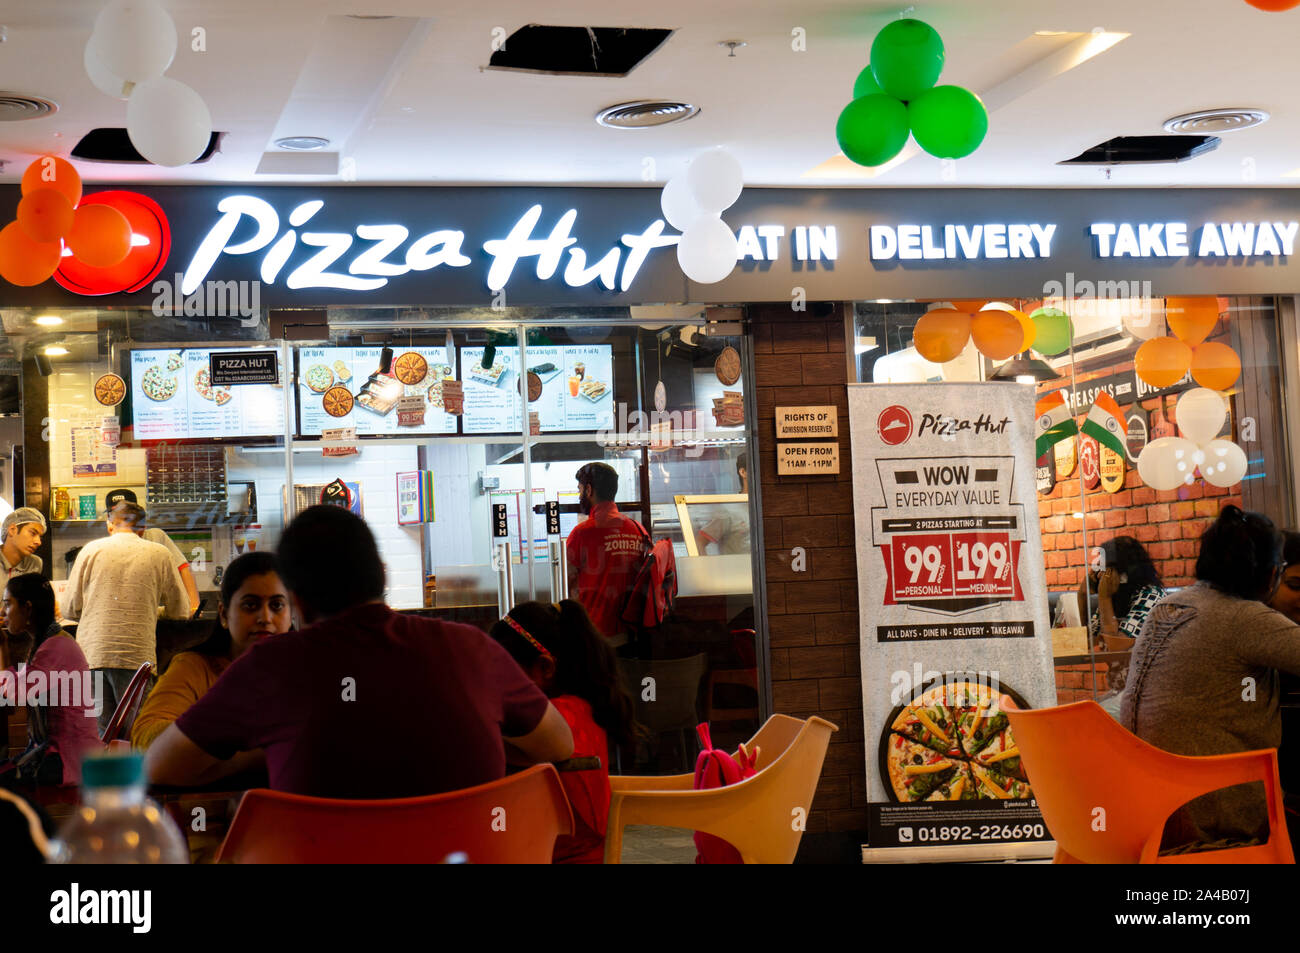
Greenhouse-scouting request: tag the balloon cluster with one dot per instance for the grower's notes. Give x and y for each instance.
(693, 202)
(1274, 6)
(133, 44)
(1164, 361)
(52, 222)
(997, 330)
(1170, 462)
(896, 95)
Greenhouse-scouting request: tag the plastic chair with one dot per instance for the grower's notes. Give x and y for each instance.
(511, 821)
(755, 816)
(128, 706)
(677, 686)
(1139, 786)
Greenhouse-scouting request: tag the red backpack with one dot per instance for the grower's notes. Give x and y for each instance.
(650, 600)
(717, 769)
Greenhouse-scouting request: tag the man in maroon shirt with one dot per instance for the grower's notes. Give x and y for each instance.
(364, 702)
(605, 551)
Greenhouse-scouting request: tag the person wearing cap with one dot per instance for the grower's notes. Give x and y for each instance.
(114, 590)
(22, 531)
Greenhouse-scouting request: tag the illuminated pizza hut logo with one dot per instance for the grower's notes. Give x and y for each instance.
(151, 243)
(894, 425)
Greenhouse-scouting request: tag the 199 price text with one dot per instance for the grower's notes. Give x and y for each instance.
(943, 565)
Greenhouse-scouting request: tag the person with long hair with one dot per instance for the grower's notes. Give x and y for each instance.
(1203, 679)
(61, 724)
(1287, 598)
(254, 606)
(560, 648)
(1127, 585)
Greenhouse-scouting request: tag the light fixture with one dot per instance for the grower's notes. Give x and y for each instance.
(55, 350)
(1215, 121)
(1030, 370)
(302, 143)
(49, 320)
(642, 113)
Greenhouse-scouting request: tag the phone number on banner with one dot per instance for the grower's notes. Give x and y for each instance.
(967, 834)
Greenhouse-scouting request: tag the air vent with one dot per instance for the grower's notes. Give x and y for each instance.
(645, 112)
(577, 50)
(1211, 121)
(1134, 150)
(114, 145)
(16, 106)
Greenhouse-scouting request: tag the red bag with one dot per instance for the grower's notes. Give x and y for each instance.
(717, 769)
(650, 600)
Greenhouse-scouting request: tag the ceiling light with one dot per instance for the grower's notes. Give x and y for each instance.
(1214, 121)
(55, 350)
(49, 320)
(642, 113)
(1033, 369)
(302, 143)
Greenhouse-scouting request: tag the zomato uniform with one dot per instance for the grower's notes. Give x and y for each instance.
(608, 548)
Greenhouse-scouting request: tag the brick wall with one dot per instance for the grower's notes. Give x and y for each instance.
(812, 614)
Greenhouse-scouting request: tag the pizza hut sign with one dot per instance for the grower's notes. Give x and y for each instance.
(243, 367)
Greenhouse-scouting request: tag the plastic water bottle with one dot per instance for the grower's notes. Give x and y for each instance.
(116, 823)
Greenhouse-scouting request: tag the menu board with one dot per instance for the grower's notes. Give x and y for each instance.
(577, 389)
(342, 387)
(172, 399)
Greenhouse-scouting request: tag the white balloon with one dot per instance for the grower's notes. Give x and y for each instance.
(1200, 414)
(679, 206)
(169, 123)
(105, 81)
(716, 179)
(997, 306)
(135, 39)
(1166, 463)
(1225, 463)
(1145, 319)
(707, 250)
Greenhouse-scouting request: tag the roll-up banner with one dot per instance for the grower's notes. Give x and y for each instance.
(953, 605)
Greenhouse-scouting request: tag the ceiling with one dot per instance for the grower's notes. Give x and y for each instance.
(408, 101)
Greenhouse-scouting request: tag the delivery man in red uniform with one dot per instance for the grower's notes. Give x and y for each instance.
(605, 551)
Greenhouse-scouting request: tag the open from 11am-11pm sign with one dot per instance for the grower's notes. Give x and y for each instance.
(953, 606)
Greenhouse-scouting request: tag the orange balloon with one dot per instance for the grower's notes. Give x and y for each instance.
(1274, 6)
(941, 334)
(45, 215)
(997, 334)
(969, 306)
(1215, 365)
(23, 261)
(1192, 319)
(1163, 361)
(51, 172)
(100, 236)
(1028, 327)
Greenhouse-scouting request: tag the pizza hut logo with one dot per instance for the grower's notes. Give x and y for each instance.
(894, 425)
(151, 243)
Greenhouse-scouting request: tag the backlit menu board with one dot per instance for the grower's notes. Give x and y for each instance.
(172, 399)
(577, 388)
(342, 387)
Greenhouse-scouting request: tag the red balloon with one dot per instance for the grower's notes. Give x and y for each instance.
(1274, 6)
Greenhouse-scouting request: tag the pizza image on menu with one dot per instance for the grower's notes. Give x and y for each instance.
(319, 378)
(157, 384)
(337, 401)
(110, 390)
(951, 743)
(203, 385)
(175, 362)
(410, 368)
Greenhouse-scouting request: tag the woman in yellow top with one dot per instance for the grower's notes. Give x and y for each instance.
(254, 606)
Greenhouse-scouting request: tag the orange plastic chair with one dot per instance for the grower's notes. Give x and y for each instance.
(128, 706)
(756, 816)
(511, 821)
(1138, 785)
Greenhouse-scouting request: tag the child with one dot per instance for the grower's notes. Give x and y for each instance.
(570, 661)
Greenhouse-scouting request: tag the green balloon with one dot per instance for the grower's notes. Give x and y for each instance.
(1054, 330)
(865, 84)
(907, 58)
(949, 122)
(873, 129)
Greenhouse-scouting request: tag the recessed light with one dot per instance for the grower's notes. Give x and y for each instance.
(302, 143)
(1215, 121)
(49, 320)
(55, 351)
(645, 112)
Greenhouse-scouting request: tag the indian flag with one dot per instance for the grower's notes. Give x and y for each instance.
(1105, 423)
(1054, 422)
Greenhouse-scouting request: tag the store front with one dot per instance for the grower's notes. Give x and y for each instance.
(557, 318)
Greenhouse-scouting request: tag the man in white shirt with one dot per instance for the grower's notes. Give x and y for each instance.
(115, 588)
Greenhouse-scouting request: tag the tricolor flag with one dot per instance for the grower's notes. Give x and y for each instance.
(1105, 423)
(1054, 422)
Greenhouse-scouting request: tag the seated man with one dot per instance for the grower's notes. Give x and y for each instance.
(363, 702)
